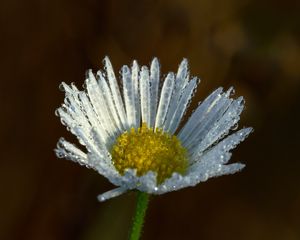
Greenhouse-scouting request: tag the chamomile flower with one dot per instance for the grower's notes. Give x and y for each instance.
(132, 138)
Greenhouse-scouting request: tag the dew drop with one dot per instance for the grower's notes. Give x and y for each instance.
(235, 126)
(57, 112)
(61, 87)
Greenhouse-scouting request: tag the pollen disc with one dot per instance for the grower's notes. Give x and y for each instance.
(147, 150)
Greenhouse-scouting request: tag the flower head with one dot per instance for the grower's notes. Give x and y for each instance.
(133, 139)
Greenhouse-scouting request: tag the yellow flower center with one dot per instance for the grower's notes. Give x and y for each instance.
(147, 150)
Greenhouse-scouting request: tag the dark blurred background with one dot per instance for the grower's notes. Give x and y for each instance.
(253, 45)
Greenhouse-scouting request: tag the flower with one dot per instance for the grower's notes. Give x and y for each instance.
(133, 139)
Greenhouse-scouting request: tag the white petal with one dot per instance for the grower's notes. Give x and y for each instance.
(222, 127)
(164, 102)
(182, 73)
(178, 92)
(230, 169)
(135, 82)
(144, 183)
(100, 106)
(212, 115)
(72, 114)
(101, 148)
(129, 180)
(108, 102)
(129, 98)
(93, 118)
(102, 164)
(181, 106)
(69, 151)
(90, 144)
(111, 194)
(154, 89)
(92, 160)
(173, 183)
(226, 144)
(145, 95)
(115, 92)
(207, 169)
(202, 175)
(147, 182)
(198, 116)
(98, 157)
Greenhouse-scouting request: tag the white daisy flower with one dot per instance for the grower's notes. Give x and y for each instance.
(133, 139)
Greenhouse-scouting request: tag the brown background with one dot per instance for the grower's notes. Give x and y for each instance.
(252, 45)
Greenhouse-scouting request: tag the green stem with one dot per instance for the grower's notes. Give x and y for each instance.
(138, 219)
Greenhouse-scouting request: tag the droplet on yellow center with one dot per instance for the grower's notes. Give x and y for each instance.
(147, 150)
